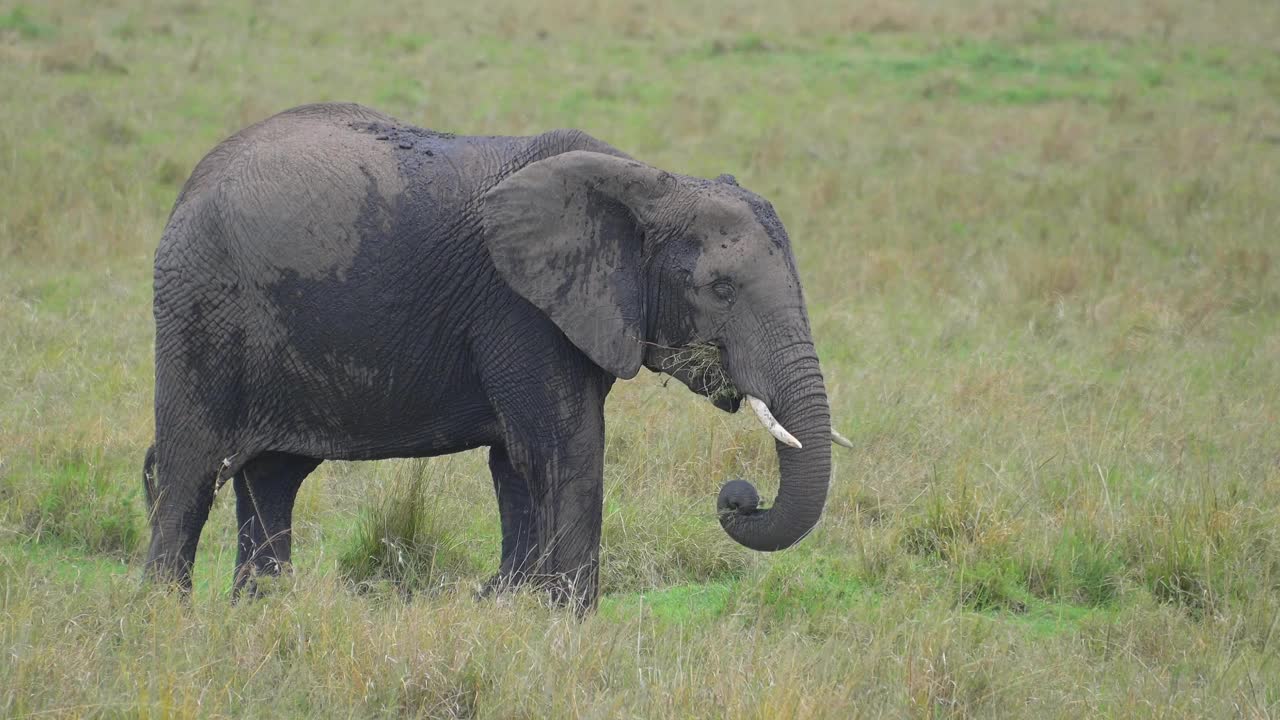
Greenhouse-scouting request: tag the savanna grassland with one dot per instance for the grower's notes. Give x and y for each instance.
(1041, 247)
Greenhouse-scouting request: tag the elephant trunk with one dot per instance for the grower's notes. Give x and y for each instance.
(798, 400)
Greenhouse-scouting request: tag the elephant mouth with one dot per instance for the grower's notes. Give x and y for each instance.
(727, 401)
(700, 366)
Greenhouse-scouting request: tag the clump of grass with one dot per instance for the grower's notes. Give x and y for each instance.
(946, 522)
(993, 583)
(1177, 576)
(403, 540)
(444, 693)
(703, 361)
(78, 501)
(643, 547)
(1177, 565)
(1079, 568)
(1190, 554)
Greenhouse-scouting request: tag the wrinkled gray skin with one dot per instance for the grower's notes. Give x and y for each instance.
(334, 284)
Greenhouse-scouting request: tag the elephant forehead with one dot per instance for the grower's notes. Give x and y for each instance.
(750, 265)
(302, 203)
(734, 241)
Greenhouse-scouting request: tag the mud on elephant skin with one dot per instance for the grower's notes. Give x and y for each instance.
(335, 284)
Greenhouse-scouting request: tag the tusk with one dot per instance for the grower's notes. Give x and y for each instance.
(771, 423)
(840, 440)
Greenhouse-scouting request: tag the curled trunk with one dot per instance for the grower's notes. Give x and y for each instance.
(799, 402)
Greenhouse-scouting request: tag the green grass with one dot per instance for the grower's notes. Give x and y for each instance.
(1039, 246)
(406, 541)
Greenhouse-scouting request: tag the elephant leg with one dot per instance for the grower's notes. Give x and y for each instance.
(519, 535)
(265, 492)
(566, 486)
(568, 519)
(549, 401)
(181, 487)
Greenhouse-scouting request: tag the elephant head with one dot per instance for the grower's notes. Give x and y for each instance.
(686, 276)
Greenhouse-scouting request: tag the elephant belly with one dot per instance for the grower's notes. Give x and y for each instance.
(354, 394)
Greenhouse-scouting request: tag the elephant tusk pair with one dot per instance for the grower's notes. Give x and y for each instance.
(775, 428)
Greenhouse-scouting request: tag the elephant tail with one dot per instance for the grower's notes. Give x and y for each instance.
(149, 479)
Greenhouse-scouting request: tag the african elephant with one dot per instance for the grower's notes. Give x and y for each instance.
(335, 284)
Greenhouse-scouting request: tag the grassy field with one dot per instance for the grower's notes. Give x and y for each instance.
(1041, 246)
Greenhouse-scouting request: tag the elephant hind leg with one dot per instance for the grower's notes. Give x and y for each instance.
(180, 487)
(266, 488)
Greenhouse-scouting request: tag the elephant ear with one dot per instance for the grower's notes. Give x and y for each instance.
(567, 234)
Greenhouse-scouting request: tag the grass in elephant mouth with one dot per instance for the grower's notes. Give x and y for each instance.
(703, 360)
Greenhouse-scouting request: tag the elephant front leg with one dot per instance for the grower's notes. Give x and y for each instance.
(551, 511)
(565, 489)
(550, 410)
(568, 518)
(519, 535)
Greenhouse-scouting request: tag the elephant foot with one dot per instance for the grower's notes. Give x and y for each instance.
(560, 590)
(572, 591)
(501, 583)
(253, 582)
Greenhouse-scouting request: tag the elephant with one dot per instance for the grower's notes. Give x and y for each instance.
(334, 284)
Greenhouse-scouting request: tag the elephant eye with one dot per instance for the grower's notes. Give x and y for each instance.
(724, 290)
